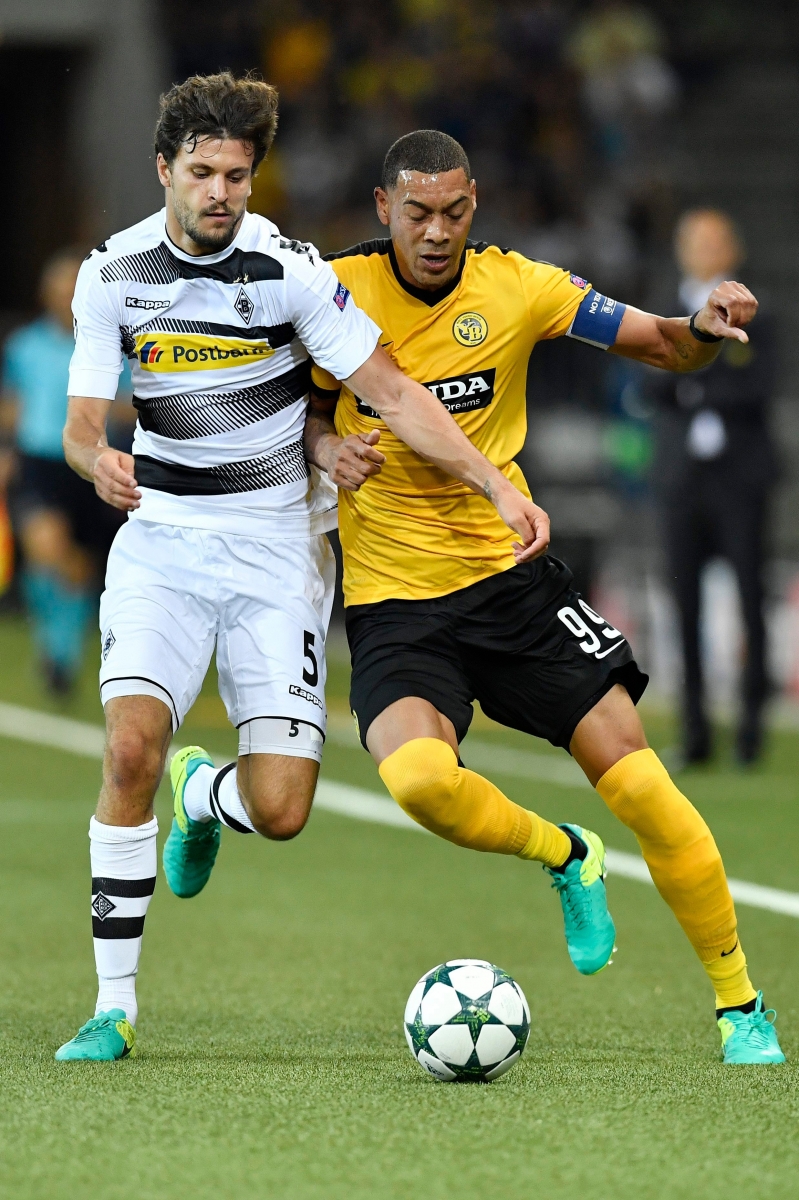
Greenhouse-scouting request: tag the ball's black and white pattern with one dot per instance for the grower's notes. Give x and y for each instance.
(467, 1021)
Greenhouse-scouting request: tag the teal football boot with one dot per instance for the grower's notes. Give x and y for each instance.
(106, 1038)
(750, 1037)
(590, 932)
(192, 846)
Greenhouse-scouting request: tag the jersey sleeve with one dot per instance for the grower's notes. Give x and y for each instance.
(336, 333)
(553, 297)
(561, 303)
(97, 359)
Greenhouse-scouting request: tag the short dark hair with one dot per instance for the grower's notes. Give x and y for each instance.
(218, 106)
(427, 150)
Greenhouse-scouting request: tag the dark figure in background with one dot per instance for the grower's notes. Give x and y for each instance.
(64, 529)
(714, 469)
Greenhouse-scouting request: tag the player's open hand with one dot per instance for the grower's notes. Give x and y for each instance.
(114, 480)
(729, 307)
(350, 461)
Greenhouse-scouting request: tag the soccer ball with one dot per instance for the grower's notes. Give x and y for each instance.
(467, 1021)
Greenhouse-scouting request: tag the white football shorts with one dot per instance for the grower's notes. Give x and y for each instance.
(173, 594)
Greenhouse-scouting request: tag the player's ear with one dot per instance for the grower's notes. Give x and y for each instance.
(381, 202)
(164, 172)
(473, 193)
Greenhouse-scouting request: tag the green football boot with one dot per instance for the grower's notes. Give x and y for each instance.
(590, 932)
(192, 846)
(106, 1038)
(750, 1037)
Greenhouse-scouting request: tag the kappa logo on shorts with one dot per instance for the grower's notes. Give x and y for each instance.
(593, 644)
(108, 644)
(294, 690)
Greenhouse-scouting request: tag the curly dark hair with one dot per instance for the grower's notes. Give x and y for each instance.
(219, 106)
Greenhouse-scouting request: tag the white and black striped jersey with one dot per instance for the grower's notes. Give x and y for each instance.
(220, 349)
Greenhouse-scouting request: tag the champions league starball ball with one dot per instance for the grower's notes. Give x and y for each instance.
(467, 1021)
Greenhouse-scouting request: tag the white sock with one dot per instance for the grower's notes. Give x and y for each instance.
(124, 865)
(213, 794)
(197, 794)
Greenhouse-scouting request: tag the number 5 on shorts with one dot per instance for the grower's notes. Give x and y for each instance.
(310, 677)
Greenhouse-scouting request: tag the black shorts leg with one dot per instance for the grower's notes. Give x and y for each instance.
(567, 657)
(404, 648)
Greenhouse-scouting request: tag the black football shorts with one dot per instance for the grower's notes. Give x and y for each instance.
(524, 643)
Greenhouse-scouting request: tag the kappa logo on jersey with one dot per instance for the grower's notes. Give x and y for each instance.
(196, 352)
(458, 394)
(149, 305)
(470, 329)
(341, 297)
(579, 282)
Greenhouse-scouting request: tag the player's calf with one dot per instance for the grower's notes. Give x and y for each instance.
(277, 792)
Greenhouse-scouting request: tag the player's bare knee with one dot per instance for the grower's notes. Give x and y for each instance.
(133, 760)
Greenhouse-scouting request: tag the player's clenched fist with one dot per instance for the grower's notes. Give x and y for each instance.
(351, 460)
(114, 480)
(729, 307)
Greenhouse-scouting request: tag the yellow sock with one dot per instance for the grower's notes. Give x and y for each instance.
(730, 978)
(685, 865)
(424, 778)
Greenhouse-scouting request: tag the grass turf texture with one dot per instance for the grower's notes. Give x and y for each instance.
(272, 1060)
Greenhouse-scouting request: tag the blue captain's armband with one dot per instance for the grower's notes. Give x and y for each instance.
(597, 320)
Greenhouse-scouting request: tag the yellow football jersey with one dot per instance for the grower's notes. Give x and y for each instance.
(413, 532)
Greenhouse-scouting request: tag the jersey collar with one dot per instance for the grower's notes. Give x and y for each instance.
(208, 259)
(427, 297)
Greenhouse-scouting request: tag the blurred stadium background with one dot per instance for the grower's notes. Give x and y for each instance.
(590, 126)
(273, 1060)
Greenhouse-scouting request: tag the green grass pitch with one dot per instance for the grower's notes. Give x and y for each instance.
(272, 1061)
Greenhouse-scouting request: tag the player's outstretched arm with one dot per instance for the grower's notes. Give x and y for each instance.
(88, 453)
(421, 421)
(670, 343)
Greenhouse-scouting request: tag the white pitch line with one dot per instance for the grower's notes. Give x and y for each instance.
(81, 737)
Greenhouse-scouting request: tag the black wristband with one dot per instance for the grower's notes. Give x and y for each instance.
(699, 335)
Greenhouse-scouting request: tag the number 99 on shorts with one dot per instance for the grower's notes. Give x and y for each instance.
(591, 640)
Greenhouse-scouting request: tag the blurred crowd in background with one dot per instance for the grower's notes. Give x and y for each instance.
(579, 118)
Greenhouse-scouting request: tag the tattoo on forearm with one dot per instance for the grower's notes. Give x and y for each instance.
(487, 491)
(685, 350)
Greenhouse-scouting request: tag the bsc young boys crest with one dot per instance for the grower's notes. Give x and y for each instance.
(470, 329)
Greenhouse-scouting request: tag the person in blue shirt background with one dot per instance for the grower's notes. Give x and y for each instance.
(63, 527)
